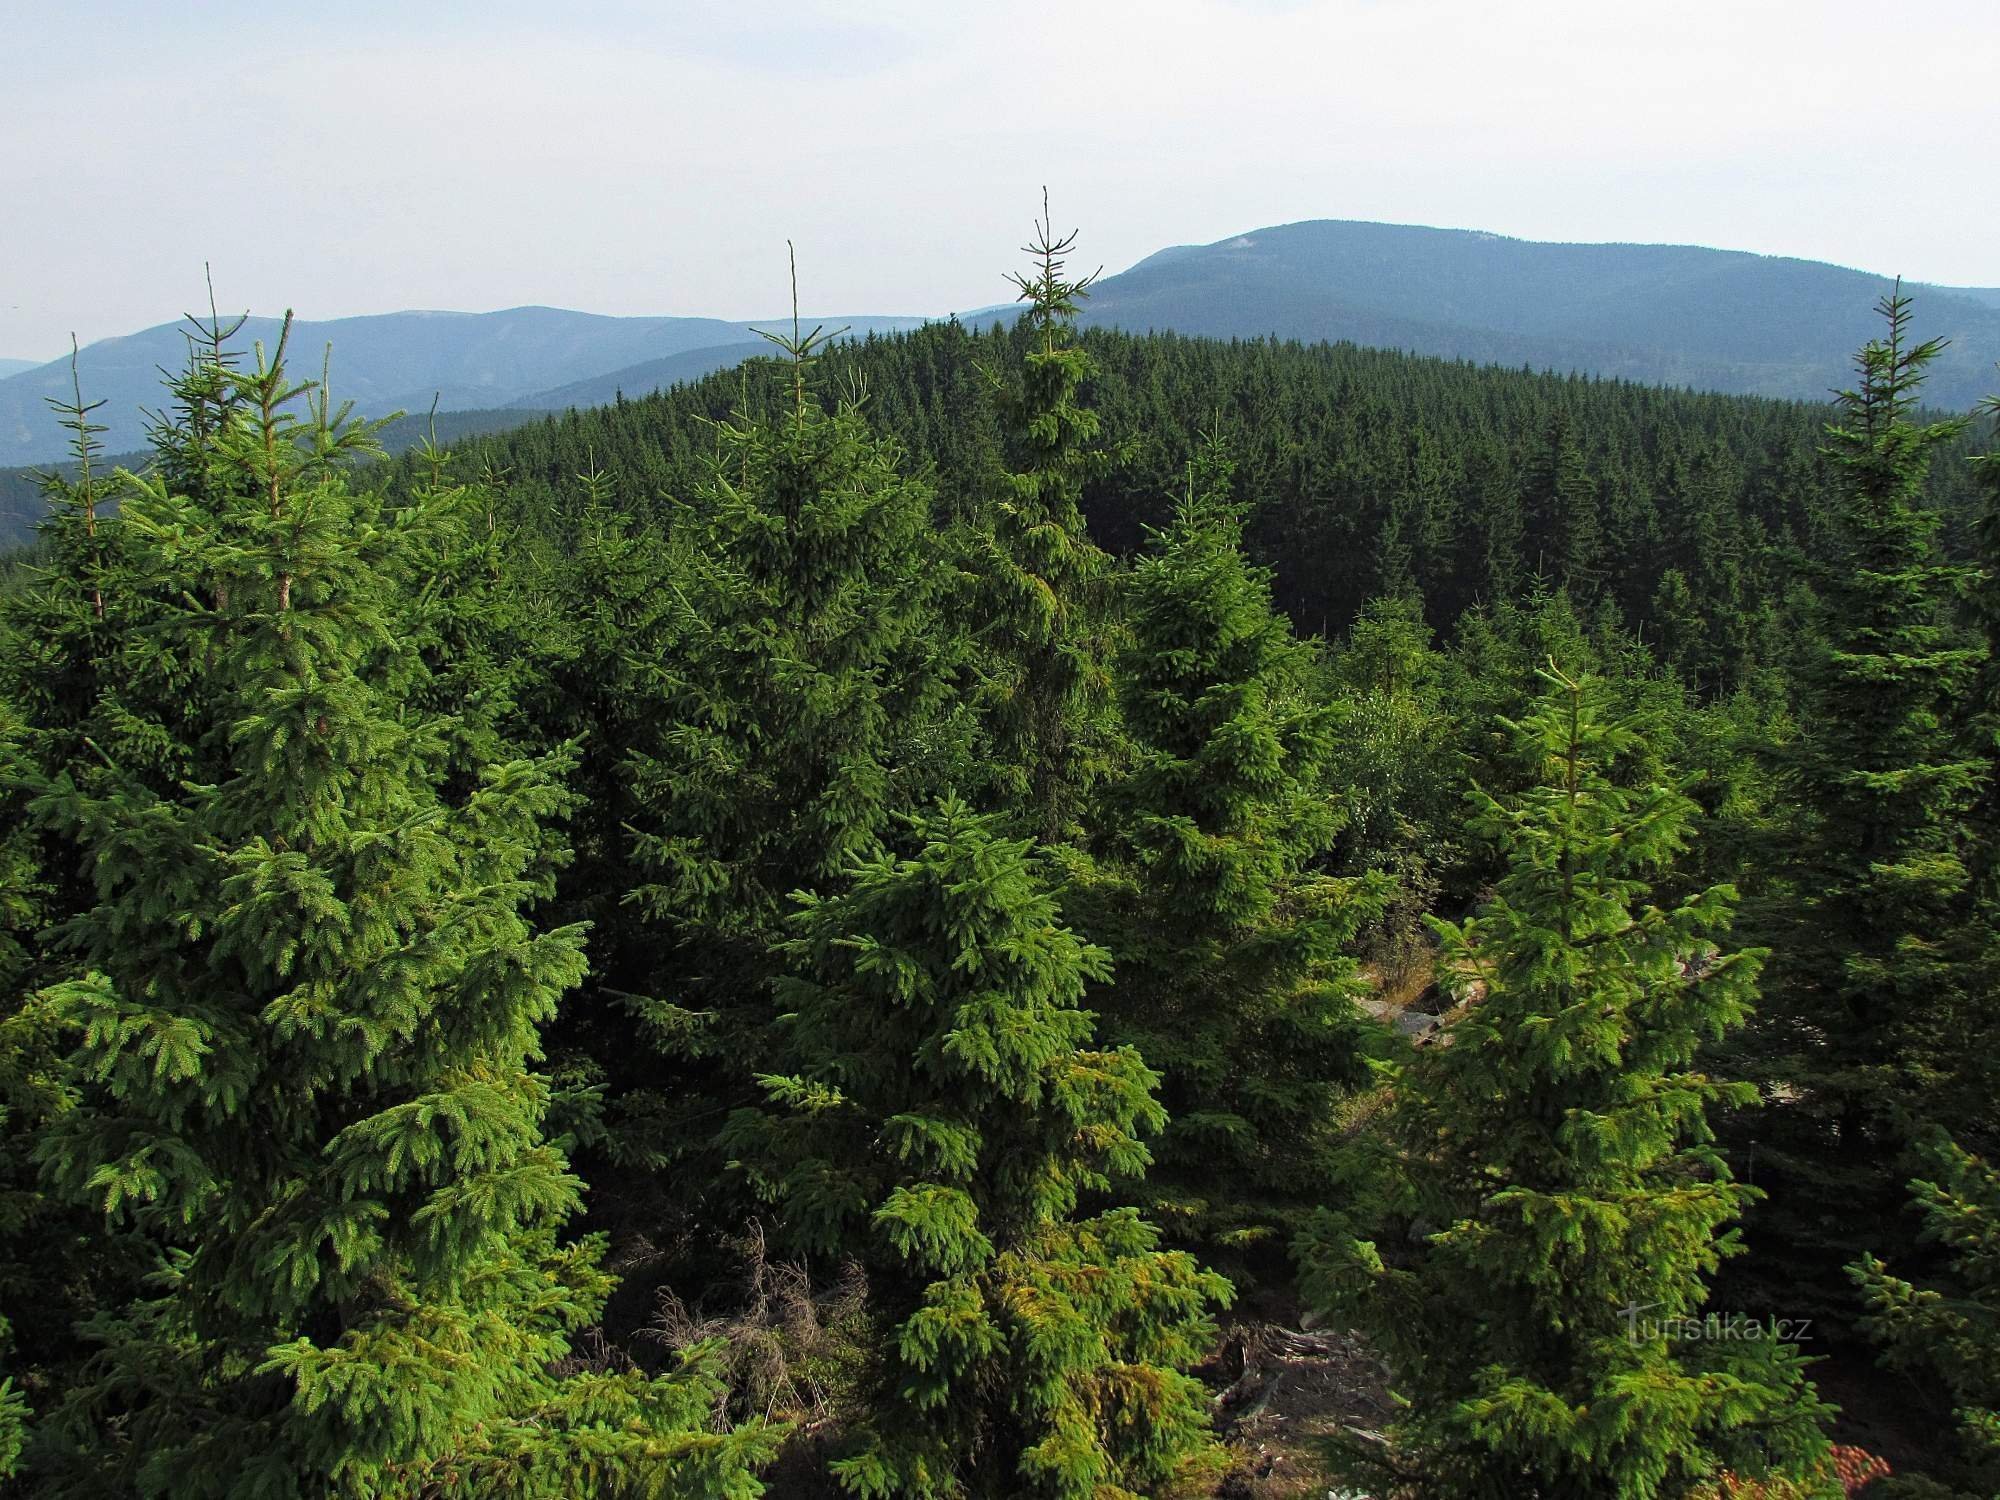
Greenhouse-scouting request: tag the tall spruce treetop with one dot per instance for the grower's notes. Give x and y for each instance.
(802, 694)
(1868, 987)
(945, 1112)
(1877, 754)
(793, 692)
(1223, 794)
(1039, 571)
(1562, 505)
(305, 1023)
(1553, 1143)
(203, 396)
(57, 634)
(1231, 977)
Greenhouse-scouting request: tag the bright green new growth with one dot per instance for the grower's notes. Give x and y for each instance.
(305, 1022)
(1551, 1152)
(1232, 982)
(945, 1112)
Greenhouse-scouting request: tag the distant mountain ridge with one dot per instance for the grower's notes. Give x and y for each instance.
(1677, 315)
(383, 362)
(1720, 320)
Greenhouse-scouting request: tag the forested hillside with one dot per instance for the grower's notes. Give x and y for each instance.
(1362, 474)
(941, 916)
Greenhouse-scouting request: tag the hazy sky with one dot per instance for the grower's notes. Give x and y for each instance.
(652, 158)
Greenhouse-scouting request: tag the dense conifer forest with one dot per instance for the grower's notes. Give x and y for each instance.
(917, 918)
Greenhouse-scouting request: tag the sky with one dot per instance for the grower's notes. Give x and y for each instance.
(627, 157)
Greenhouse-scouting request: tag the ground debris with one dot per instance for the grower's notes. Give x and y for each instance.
(1286, 1396)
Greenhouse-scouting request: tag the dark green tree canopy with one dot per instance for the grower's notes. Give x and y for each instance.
(1233, 980)
(305, 1020)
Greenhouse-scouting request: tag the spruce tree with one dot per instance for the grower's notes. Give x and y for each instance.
(1398, 760)
(476, 628)
(792, 688)
(25, 1096)
(304, 1025)
(944, 1113)
(1550, 1156)
(1868, 988)
(1232, 980)
(1039, 591)
(1984, 712)
(1564, 530)
(1975, 1079)
(1678, 626)
(601, 652)
(806, 691)
(61, 632)
(1949, 1335)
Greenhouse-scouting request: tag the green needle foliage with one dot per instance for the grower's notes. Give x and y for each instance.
(1985, 600)
(1551, 1155)
(1975, 1068)
(316, 766)
(60, 707)
(1040, 580)
(63, 630)
(792, 691)
(304, 1020)
(1950, 1334)
(25, 1096)
(945, 1113)
(801, 693)
(1869, 986)
(1232, 979)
